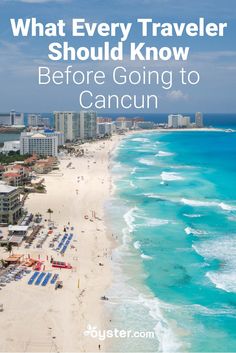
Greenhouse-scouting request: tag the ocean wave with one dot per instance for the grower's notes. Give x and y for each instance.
(133, 170)
(232, 218)
(145, 257)
(169, 176)
(197, 215)
(137, 245)
(146, 161)
(197, 203)
(200, 309)
(153, 222)
(192, 231)
(129, 218)
(183, 167)
(223, 280)
(132, 184)
(154, 177)
(164, 154)
(168, 341)
(140, 139)
(223, 250)
(193, 203)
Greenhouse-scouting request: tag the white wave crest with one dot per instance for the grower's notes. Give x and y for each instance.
(224, 250)
(140, 139)
(146, 257)
(192, 215)
(197, 203)
(146, 161)
(169, 176)
(164, 154)
(137, 245)
(192, 231)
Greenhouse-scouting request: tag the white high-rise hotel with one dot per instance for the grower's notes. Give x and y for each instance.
(39, 143)
(199, 119)
(75, 125)
(178, 121)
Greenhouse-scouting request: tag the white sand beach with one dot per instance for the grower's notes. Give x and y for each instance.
(42, 319)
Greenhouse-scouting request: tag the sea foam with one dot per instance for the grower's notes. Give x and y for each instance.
(164, 154)
(146, 161)
(169, 176)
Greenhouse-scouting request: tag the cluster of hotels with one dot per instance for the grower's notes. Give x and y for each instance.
(39, 138)
(176, 121)
(41, 143)
(69, 126)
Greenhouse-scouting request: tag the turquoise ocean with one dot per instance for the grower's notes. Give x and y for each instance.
(173, 213)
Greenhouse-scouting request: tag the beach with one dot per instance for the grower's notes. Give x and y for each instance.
(40, 319)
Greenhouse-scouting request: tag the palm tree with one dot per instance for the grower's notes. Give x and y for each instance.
(9, 247)
(49, 211)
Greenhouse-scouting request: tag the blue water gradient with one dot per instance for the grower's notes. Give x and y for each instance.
(175, 194)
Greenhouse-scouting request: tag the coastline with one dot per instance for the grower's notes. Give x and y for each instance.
(62, 316)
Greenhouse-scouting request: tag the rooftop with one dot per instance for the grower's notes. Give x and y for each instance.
(39, 136)
(11, 175)
(5, 189)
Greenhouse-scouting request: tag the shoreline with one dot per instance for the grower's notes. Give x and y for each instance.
(63, 316)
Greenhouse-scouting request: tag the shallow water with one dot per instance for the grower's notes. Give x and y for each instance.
(174, 212)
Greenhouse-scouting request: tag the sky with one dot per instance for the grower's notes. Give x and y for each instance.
(214, 58)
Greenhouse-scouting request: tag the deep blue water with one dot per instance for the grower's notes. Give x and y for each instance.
(176, 194)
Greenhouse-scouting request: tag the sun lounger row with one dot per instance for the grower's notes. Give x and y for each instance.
(42, 278)
(33, 277)
(12, 273)
(46, 279)
(62, 242)
(54, 278)
(63, 250)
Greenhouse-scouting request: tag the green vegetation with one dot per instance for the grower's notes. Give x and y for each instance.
(12, 157)
(40, 188)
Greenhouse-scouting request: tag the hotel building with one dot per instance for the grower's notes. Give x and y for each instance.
(10, 204)
(176, 121)
(68, 123)
(104, 129)
(88, 125)
(37, 120)
(39, 143)
(198, 119)
(12, 118)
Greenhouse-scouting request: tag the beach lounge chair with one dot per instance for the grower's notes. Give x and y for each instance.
(33, 277)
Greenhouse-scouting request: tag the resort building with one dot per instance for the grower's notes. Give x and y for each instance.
(88, 125)
(184, 122)
(2, 170)
(104, 129)
(10, 146)
(44, 166)
(101, 119)
(37, 120)
(58, 134)
(10, 204)
(16, 175)
(68, 123)
(144, 125)
(199, 120)
(121, 123)
(11, 118)
(173, 120)
(38, 143)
